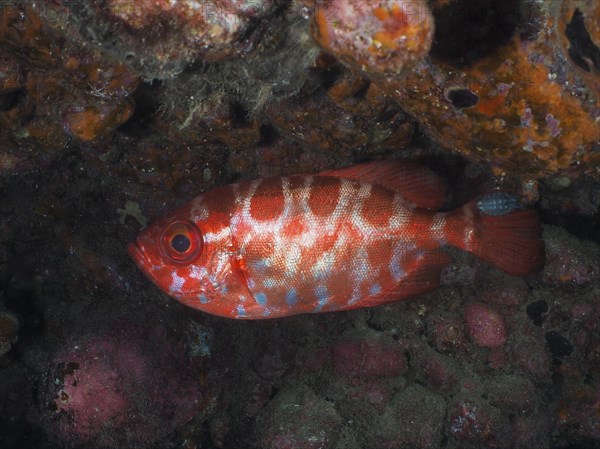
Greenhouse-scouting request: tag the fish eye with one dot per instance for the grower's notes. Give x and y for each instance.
(181, 242)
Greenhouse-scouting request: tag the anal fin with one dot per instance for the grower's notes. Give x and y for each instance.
(422, 276)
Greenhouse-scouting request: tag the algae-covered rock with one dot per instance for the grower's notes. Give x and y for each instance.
(298, 419)
(414, 419)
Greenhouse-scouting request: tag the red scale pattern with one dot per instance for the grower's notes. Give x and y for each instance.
(346, 238)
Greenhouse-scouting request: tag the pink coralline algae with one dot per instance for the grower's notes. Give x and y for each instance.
(366, 359)
(485, 326)
(100, 386)
(382, 38)
(358, 360)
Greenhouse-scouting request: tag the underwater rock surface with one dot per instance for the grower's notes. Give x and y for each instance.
(508, 83)
(115, 112)
(122, 385)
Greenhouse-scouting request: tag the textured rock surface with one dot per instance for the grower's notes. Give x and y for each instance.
(384, 39)
(512, 83)
(105, 126)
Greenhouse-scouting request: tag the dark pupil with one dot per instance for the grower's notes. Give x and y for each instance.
(180, 243)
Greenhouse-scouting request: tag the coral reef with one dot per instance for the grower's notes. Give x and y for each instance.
(517, 88)
(189, 30)
(485, 326)
(411, 374)
(98, 387)
(384, 39)
(102, 377)
(568, 262)
(113, 112)
(60, 92)
(514, 84)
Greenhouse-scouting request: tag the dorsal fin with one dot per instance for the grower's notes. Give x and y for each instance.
(417, 183)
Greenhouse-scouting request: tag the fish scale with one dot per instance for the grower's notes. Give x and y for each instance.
(339, 240)
(322, 245)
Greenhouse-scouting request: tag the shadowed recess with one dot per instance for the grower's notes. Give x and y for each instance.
(582, 51)
(461, 98)
(467, 31)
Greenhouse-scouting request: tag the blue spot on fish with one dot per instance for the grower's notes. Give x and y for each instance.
(241, 311)
(397, 270)
(261, 298)
(322, 297)
(375, 288)
(354, 298)
(498, 203)
(260, 264)
(203, 298)
(291, 297)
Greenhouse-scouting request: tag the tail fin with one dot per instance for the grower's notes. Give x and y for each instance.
(511, 242)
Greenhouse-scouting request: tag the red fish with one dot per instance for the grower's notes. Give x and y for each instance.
(342, 239)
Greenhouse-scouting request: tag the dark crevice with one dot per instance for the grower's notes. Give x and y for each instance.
(239, 115)
(467, 31)
(559, 345)
(387, 114)
(461, 98)
(582, 51)
(375, 326)
(268, 135)
(10, 100)
(582, 443)
(330, 76)
(537, 311)
(578, 60)
(362, 92)
(146, 106)
(582, 227)
(273, 393)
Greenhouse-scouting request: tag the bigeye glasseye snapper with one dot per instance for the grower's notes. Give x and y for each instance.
(342, 239)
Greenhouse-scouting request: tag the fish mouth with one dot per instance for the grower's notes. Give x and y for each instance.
(136, 252)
